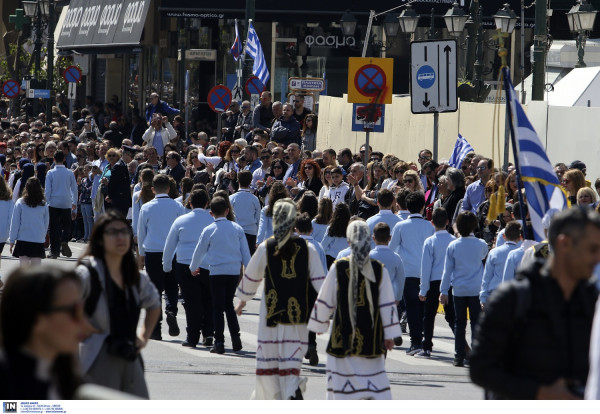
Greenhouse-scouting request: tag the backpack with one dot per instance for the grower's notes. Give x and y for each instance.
(96, 289)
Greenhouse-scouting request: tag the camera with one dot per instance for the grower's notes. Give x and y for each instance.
(122, 348)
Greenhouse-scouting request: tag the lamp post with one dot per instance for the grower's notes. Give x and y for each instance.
(581, 19)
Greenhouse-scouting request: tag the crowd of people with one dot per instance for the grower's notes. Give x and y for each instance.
(377, 250)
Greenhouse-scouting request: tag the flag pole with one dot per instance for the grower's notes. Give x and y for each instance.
(507, 86)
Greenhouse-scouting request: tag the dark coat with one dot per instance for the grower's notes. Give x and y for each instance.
(119, 190)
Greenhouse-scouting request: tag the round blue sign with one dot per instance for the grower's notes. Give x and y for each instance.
(425, 77)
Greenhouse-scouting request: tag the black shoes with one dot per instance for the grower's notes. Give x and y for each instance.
(398, 341)
(208, 341)
(218, 348)
(189, 344)
(458, 362)
(52, 256)
(172, 322)
(156, 336)
(236, 343)
(65, 250)
(312, 356)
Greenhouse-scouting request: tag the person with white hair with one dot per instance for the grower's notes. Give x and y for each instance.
(292, 273)
(359, 294)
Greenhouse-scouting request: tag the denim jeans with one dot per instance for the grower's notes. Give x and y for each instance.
(461, 303)
(414, 310)
(88, 220)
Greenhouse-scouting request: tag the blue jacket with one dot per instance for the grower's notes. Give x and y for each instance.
(223, 247)
(29, 223)
(286, 132)
(434, 255)
(61, 187)
(162, 108)
(513, 260)
(395, 267)
(408, 237)
(155, 221)
(333, 245)
(246, 208)
(6, 213)
(319, 250)
(318, 231)
(463, 268)
(183, 237)
(494, 269)
(265, 226)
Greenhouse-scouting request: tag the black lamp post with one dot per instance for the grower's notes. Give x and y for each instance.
(581, 19)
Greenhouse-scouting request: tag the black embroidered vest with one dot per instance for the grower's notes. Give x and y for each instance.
(368, 337)
(289, 295)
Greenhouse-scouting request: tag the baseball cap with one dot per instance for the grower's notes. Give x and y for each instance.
(577, 164)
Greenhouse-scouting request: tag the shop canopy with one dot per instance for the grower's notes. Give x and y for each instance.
(102, 26)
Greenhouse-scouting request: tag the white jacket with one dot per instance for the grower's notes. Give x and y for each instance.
(167, 134)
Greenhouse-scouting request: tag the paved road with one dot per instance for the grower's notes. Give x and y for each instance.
(174, 372)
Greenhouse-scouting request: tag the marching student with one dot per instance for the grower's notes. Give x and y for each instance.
(432, 267)
(463, 270)
(494, 265)
(181, 241)
(155, 221)
(385, 202)
(246, 208)
(224, 247)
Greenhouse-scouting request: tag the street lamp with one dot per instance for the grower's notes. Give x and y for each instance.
(391, 25)
(409, 19)
(505, 19)
(455, 20)
(348, 23)
(581, 19)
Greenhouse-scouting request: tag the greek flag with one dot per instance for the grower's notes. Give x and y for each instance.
(254, 50)
(542, 188)
(236, 48)
(461, 149)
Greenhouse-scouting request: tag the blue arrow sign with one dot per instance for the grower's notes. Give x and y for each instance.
(41, 93)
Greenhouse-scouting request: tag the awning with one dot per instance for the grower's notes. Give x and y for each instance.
(92, 26)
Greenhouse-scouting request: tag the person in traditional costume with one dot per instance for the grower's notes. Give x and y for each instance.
(292, 273)
(358, 293)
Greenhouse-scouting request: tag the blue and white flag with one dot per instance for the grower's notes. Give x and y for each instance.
(254, 50)
(461, 149)
(541, 184)
(236, 48)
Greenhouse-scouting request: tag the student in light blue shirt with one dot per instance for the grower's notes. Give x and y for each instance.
(322, 219)
(403, 213)
(304, 230)
(182, 240)
(155, 221)
(432, 267)
(265, 224)
(408, 237)
(385, 200)
(246, 208)
(392, 261)
(496, 261)
(61, 196)
(29, 224)
(225, 248)
(335, 236)
(463, 270)
(141, 197)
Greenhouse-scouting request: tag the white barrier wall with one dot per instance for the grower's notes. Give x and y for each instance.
(569, 133)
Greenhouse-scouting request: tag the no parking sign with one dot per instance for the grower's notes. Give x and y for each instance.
(367, 77)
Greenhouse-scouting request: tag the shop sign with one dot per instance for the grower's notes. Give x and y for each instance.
(332, 42)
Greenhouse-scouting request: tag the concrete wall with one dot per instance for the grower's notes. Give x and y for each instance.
(569, 133)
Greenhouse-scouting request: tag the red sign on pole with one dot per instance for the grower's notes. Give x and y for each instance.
(72, 74)
(254, 86)
(219, 98)
(11, 88)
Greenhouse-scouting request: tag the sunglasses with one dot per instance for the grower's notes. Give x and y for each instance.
(75, 311)
(112, 156)
(483, 167)
(265, 157)
(118, 232)
(362, 151)
(424, 158)
(308, 167)
(408, 181)
(277, 167)
(464, 168)
(235, 151)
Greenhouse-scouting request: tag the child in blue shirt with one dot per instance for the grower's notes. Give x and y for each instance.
(335, 236)
(246, 208)
(225, 247)
(463, 269)
(432, 267)
(385, 201)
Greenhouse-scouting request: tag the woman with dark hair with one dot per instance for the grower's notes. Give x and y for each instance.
(225, 195)
(277, 172)
(115, 291)
(40, 172)
(265, 225)
(226, 176)
(141, 197)
(309, 204)
(322, 219)
(511, 187)
(335, 237)
(309, 132)
(28, 171)
(41, 324)
(456, 188)
(29, 224)
(39, 153)
(309, 178)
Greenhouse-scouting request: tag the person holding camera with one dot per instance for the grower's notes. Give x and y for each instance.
(159, 133)
(115, 291)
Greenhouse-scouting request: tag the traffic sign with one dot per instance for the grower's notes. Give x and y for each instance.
(72, 91)
(72, 74)
(254, 86)
(38, 93)
(433, 77)
(359, 116)
(219, 98)
(11, 88)
(369, 77)
(307, 84)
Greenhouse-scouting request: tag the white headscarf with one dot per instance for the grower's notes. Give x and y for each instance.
(284, 221)
(359, 237)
